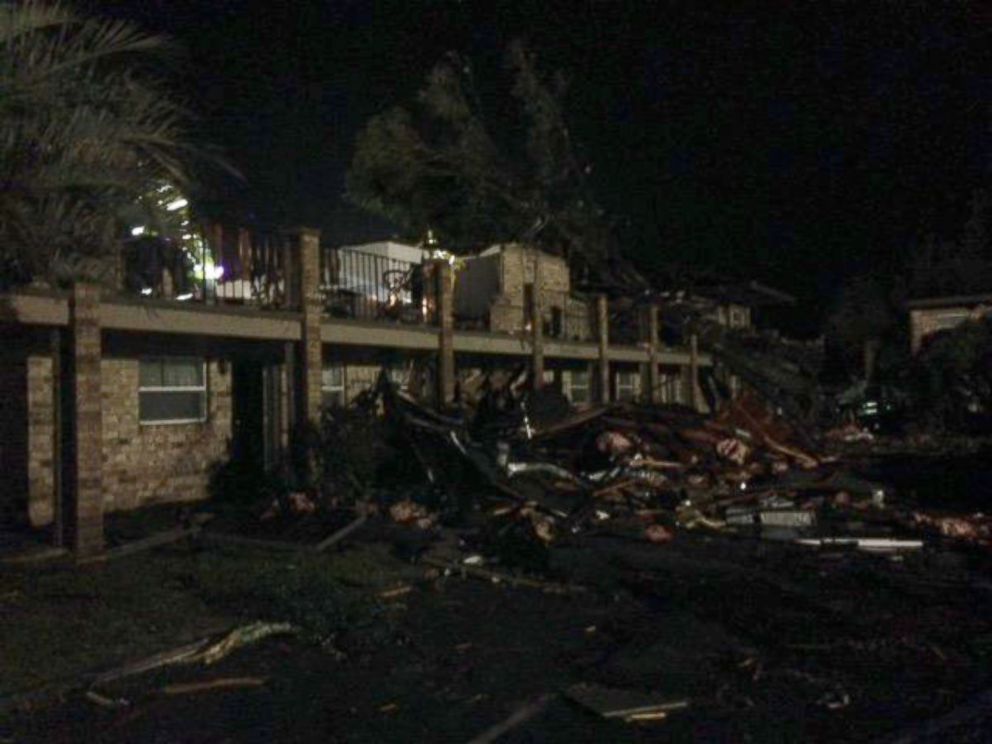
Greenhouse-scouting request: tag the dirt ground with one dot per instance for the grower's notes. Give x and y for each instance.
(766, 642)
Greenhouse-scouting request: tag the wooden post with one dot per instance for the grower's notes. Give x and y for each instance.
(694, 371)
(58, 503)
(84, 471)
(603, 331)
(445, 336)
(537, 327)
(650, 380)
(311, 359)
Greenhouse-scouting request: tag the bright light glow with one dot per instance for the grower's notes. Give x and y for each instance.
(177, 204)
(146, 291)
(187, 236)
(184, 297)
(136, 231)
(218, 272)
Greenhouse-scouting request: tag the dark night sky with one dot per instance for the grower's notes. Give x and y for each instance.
(796, 142)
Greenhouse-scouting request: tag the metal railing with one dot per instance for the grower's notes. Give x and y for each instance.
(230, 267)
(367, 286)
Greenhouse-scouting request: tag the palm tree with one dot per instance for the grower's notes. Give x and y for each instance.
(86, 129)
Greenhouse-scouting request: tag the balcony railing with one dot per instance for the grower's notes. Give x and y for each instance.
(367, 286)
(223, 268)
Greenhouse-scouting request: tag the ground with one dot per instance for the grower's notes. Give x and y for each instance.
(766, 642)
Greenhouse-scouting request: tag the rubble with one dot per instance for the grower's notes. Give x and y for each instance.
(523, 483)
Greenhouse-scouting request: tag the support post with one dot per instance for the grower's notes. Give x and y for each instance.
(537, 328)
(650, 380)
(84, 461)
(603, 331)
(311, 358)
(58, 496)
(444, 293)
(694, 371)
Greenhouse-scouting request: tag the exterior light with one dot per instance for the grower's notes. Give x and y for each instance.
(177, 204)
(136, 231)
(218, 272)
(146, 291)
(184, 297)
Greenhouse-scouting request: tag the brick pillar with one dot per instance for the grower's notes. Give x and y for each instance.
(603, 331)
(649, 329)
(537, 328)
(444, 294)
(311, 356)
(84, 459)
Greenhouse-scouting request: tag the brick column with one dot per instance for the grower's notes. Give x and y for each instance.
(444, 294)
(84, 459)
(537, 328)
(603, 331)
(311, 356)
(649, 330)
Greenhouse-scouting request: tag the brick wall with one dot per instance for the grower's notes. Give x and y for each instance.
(41, 432)
(517, 269)
(142, 464)
(146, 464)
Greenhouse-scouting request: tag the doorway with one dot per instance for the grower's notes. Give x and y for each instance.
(256, 413)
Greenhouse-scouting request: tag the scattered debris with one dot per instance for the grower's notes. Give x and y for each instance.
(106, 702)
(520, 716)
(243, 636)
(224, 683)
(628, 705)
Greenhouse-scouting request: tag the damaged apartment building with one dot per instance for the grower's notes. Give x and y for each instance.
(127, 394)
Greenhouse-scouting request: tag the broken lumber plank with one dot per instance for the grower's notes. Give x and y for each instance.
(520, 716)
(867, 544)
(136, 546)
(164, 658)
(611, 702)
(498, 576)
(341, 534)
(223, 683)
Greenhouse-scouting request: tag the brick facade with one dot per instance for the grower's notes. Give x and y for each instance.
(519, 266)
(143, 464)
(153, 463)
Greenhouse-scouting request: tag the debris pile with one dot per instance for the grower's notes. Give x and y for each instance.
(643, 472)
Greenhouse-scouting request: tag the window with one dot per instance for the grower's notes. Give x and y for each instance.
(626, 383)
(577, 386)
(332, 386)
(172, 390)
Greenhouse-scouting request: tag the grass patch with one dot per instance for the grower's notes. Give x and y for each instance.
(61, 622)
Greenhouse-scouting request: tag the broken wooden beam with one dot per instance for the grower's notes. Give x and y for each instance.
(521, 715)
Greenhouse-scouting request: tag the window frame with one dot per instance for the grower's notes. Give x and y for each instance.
(202, 389)
(586, 387)
(630, 384)
(341, 388)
